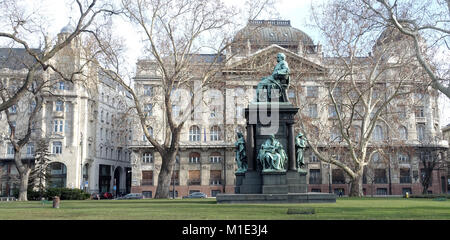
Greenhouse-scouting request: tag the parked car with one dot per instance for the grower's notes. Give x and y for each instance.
(131, 196)
(196, 195)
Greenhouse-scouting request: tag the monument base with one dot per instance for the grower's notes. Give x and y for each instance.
(277, 198)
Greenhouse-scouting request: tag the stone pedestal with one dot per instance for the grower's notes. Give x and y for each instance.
(239, 178)
(251, 183)
(274, 183)
(296, 182)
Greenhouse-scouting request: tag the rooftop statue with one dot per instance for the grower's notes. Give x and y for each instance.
(272, 155)
(278, 82)
(241, 155)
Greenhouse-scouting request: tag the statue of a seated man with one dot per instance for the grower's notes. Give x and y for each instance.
(278, 81)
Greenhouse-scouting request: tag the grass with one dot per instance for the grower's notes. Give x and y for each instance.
(207, 209)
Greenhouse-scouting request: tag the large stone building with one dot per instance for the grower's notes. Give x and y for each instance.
(206, 160)
(81, 120)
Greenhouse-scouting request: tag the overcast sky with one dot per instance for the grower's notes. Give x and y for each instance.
(297, 11)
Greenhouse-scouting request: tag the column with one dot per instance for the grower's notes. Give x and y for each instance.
(292, 162)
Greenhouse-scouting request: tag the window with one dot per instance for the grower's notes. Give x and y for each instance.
(335, 135)
(30, 149)
(380, 176)
(239, 111)
(313, 158)
(13, 125)
(338, 176)
(378, 133)
(403, 133)
(147, 157)
(148, 109)
(101, 116)
(312, 110)
(376, 157)
(194, 134)
(406, 190)
(150, 131)
(215, 133)
(420, 112)
(215, 158)
(13, 109)
(381, 191)
(215, 192)
(57, 148)
(10, 150)
(420, 132)
(175, 111)
(312, 91)
(58, 126)
(314, 176)
(61, 85)
(332, 110)
(147, 178)
(194, 177)
(215, 177)
(32, 106)
(59, 106)
(148, 90)
(194, 157)
(405, 175)
(402, 158)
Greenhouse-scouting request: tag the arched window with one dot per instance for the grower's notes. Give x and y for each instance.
(215, 133)
(194, 157)
(376, 157)
(147, 157)
(194, 134)
(420, 132)
(335, 135)
(403, 133)
(377, 134)
(215, 157)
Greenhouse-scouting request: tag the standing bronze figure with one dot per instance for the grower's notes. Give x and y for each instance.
(241, 155)
(300, 142)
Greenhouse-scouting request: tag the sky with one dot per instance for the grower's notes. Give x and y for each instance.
(297, 11)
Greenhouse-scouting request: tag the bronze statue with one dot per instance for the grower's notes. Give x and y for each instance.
(241, 155)
(300, 142)
(279, 80)
(272, 155)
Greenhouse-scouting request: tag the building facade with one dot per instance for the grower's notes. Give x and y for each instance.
(80, 119)
(206, 160)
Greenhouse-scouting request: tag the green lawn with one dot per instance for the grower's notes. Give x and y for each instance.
(344, 208)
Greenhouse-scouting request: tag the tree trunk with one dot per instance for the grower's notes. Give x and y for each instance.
(165, 175)
(356, 188)
(24, 185)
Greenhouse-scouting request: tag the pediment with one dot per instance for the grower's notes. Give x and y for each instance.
(265, 60)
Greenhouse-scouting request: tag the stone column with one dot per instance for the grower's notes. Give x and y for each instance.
(250, 145)
(292, 163)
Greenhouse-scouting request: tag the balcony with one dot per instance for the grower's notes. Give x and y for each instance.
(147, 182)
(194, 182)
(315, 180)
(405, 179)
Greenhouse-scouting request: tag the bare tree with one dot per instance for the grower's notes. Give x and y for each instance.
(175, 32)
(364, 87)
(427, 23)
(22, 28)
(20, 135)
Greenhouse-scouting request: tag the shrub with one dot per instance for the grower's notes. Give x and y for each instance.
(430, 196)
(67, 194)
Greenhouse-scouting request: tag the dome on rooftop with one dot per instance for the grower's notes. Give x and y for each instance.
(272, 31)
(67, 29)
(263, 33)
